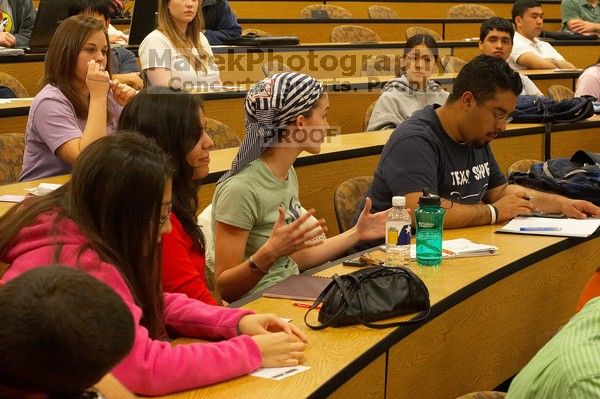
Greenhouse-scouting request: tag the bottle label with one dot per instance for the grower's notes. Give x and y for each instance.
(398, 234)
(425, 225)
(391, 235)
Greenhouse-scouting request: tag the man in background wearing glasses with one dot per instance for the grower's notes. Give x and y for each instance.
(445, 149)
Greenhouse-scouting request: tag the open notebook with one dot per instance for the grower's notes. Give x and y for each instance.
(460, 248)
(566, 227)
(300, 287)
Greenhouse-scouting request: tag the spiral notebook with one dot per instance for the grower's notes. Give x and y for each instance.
(300, 287)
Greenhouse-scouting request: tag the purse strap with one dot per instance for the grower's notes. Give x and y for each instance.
(338, 281)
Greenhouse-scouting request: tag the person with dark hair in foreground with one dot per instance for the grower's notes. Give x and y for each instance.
(108, 220)
(445, 150)
(62, 331)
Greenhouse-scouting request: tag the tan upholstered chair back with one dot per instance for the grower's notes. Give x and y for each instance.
(367, 116)
(353, 34)
(415, 30)
(221, 134)
(382, 12)
(334, 12)
(347, 198)
(522, 165)
(560, 92)
(383, 65)
(12, 83)
(12, 147)
(470, 11)
(450, 64)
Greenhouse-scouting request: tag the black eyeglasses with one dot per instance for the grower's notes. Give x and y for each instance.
(164, 218)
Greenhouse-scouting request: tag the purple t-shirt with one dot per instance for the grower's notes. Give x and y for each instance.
(51, 123)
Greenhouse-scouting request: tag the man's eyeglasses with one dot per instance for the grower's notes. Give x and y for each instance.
(164, 218)
(500, 118)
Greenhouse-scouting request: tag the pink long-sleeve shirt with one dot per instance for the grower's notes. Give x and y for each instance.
(153, 367)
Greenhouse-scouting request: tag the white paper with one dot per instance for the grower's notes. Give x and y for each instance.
(12, 198)
(568, 227)
(460, 248)
(43, 188)
(278, 373)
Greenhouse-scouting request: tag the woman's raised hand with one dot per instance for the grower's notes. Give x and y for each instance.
(286, 239)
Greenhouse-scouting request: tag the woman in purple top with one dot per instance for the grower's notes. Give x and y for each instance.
(78, 104)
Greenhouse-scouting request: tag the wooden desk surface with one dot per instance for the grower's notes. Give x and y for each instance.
(489, 316)
(349, 155)
(349, 98)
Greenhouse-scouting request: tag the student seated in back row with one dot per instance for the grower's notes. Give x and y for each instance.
(588, 83)
(16, 22)
(177, 53)
(123, 65)
(496, 40)
(78, 104)
(62, 331)
(529, 52)
(404, 95)
(445, 149)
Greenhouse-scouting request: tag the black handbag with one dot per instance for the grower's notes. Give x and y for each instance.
(371, 294)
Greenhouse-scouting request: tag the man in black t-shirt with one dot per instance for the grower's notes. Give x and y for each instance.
(445, 149)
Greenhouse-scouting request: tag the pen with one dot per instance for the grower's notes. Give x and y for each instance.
(540, 228)
(304, 305)
(284, 373)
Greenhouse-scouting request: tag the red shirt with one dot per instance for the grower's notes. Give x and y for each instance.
(590, 291)
(183, 265)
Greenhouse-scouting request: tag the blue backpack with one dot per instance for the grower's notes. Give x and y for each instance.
(534, 109)
(578, 177)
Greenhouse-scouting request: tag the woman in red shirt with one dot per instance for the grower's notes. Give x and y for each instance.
(176, 122)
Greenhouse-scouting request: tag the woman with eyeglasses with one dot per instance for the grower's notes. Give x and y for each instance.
(404, 95)
(108, 221)
(174, 119)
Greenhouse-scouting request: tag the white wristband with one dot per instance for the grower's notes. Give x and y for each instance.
(493, 213)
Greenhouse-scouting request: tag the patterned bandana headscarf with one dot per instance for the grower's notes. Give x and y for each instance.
(271, 105)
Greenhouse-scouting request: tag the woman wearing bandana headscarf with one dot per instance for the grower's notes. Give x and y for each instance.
(262, 233)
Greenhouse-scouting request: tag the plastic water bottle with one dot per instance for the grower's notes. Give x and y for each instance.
(430, 223)
(397, 234)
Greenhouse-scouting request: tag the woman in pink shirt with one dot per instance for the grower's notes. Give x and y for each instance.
(108, 221)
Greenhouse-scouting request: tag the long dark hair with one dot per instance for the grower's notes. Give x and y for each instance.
(61, 58)
(171, 118)
(114, 196)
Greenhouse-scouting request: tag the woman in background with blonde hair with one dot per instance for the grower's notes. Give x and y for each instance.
(177, 53)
